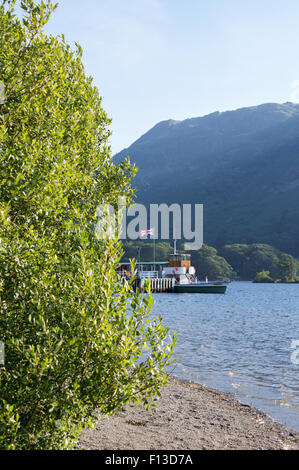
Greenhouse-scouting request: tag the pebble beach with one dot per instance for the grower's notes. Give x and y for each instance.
(189, 416)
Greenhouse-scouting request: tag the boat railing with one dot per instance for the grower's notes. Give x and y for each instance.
(148, 274)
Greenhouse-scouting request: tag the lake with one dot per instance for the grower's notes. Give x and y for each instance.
(240, 343)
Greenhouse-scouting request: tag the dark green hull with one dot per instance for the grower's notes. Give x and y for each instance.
(200, 289)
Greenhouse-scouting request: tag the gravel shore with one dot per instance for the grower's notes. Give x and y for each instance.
(189, 416)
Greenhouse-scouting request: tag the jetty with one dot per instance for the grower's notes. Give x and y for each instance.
(157, 284)
(152, 272)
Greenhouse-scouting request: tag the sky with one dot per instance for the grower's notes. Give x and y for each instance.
(154, 60)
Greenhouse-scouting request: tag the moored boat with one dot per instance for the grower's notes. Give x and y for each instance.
(201, 288)
(180, 276)
(180, 268)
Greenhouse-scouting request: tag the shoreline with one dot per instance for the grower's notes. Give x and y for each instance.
(189, 416)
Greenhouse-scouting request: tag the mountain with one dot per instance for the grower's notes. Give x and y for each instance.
(243, 165)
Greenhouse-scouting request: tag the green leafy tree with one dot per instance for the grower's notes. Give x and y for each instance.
(263, 277)
(237, 256)
(288, 266)
(76, 339)
(248, 260)
(208, 263)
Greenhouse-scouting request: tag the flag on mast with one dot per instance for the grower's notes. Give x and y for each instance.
(147, 232)
(150, 232)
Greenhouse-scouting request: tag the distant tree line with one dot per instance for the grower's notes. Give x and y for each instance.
(258, 262)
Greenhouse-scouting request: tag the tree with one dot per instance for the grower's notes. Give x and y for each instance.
(263, 277)
(288, 268)
(208, 263)
(237, 256)
(248, 260)
(76, 339)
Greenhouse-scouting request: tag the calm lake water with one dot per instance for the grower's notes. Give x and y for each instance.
(240, 343)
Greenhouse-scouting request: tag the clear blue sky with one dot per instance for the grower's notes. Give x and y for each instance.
(159, 59)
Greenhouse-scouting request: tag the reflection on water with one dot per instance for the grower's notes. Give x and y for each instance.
(240, 343)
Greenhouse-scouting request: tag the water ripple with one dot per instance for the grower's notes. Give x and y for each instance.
(240, 343)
